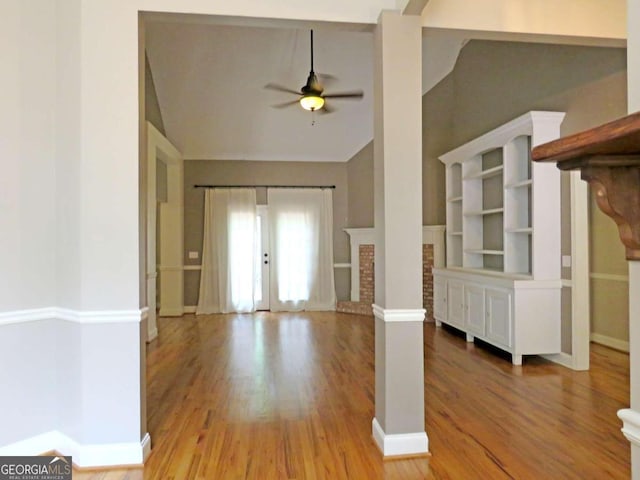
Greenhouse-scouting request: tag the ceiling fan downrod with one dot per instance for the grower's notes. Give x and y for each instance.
(312, 50)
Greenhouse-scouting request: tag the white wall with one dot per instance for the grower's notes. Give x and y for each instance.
(27, 182)
(27, 213)
(67, 176)
(28, 376)
(69, 319)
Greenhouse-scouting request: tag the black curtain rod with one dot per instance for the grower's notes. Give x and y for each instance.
(264, 186)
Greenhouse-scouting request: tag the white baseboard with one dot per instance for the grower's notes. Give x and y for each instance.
(562, 358)
(171, 312)
(146, 446)
(84, 456)
(610, 342)
(400, 443)
(45, 442)
(152, 335)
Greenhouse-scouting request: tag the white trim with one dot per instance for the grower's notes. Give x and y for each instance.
(83, 317)
(171, 234)
(399, 443)
(399, 315)
(434, 235)
(36, 445)
(104, 455)
(84, 456)
(564, 359)
(540, 123)
(341, 265)
(566, 283)
(171, 312)
(357, 237)
(190, 308)
(146, 446)
(152, 334)
(630, 425)
(610, 342)
(580, 295)
(104, 316)
(24, 316)
(609, 276)
(431, 235)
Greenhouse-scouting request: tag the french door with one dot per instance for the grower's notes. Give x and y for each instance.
(261, 286)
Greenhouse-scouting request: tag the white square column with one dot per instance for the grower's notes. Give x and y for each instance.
(398, 426)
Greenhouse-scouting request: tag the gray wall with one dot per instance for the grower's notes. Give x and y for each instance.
(494, 82)
(360, 181)
(151, 105)
(222, 172)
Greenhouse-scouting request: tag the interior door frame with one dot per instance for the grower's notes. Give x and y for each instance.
(578, 359)
(172, 231)
(265, 256)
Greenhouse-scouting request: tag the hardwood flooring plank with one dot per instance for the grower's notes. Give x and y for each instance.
(290, 396)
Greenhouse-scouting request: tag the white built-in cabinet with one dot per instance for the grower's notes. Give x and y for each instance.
(502, 277)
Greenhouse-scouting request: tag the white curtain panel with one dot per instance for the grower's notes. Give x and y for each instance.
(301, 239)
(228, 251)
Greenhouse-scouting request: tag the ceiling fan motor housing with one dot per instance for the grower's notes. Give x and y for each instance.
(312, 86)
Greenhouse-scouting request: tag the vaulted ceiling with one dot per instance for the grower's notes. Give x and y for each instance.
(210, 83)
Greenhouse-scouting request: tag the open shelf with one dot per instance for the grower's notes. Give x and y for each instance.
(519, 230)
(455, 233)
(520, 184)
(489, 211)
(485, 252)
(454, 199)
(490, 172)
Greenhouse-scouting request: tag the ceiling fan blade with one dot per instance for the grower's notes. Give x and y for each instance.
(326, 79)
(326, 109)
(353, 94)
(285, 104)
(280, 88)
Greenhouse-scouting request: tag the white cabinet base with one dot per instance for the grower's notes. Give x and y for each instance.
(511, 312)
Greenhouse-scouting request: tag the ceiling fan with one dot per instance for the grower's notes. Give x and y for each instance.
(311, 96)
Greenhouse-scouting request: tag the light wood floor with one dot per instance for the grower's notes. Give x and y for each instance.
(290, 396)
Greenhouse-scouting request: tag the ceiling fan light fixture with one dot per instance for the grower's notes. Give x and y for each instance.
(312, 102)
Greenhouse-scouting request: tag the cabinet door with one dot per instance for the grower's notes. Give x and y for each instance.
(455, 303)
(474, 309)
(499, 325)
(439, 299)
